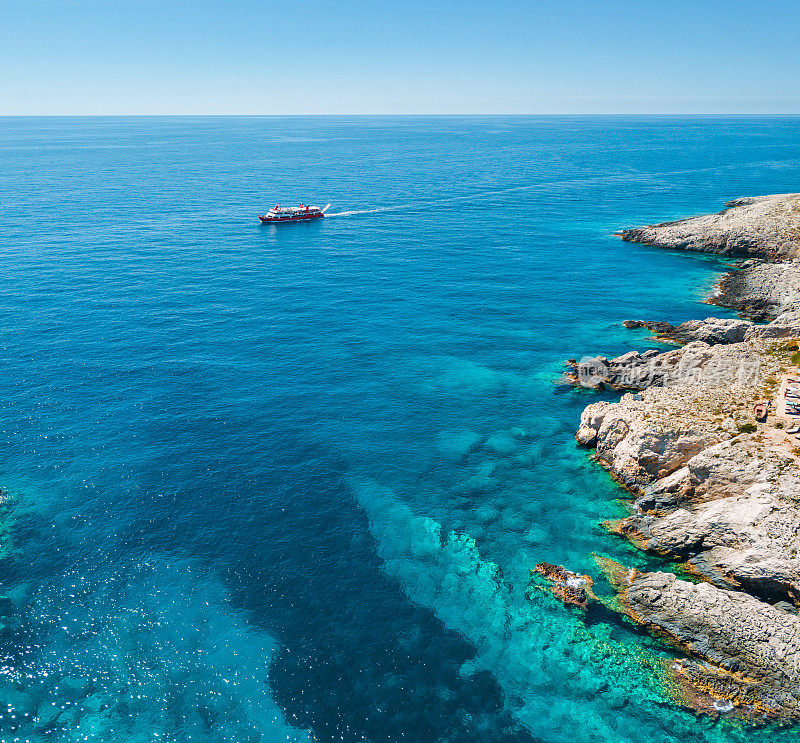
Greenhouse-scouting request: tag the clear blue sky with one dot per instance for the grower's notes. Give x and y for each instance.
(368, 56)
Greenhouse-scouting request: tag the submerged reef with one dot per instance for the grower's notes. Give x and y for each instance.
(715, 483)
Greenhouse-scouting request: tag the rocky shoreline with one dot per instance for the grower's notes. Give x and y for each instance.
(713, 489)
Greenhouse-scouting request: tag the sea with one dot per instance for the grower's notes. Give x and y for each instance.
(288, 482)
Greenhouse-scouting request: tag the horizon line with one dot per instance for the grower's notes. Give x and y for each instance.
(385, 115)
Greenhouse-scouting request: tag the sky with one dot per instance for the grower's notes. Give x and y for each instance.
(136, 57)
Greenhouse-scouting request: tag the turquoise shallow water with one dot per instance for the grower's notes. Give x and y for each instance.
(287, 483)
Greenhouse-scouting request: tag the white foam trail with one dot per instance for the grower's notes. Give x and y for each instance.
(621, 179)
(604, 180)
(466, 197)
(369, 211)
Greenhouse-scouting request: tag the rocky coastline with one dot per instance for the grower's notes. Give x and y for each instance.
(713, 489)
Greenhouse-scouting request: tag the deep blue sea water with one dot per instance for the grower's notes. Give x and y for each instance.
(286, 483)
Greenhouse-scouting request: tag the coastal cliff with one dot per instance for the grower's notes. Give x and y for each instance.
(756, 226)
(763, 228)
(713, 489)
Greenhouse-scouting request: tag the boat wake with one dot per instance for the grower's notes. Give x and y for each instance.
(368, 211)
(445, 200)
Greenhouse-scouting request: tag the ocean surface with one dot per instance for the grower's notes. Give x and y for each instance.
(287, 483)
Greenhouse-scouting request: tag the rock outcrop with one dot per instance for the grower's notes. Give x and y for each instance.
(717, 330)
(735, 520)
(763, 292)
(638, 371)
(725, 503)
(757, 227)
(571, 588)
(712, 330)
(713, 489)
(764, 228)
(752, 649)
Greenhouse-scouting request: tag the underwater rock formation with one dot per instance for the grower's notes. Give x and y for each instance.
(570, 588)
